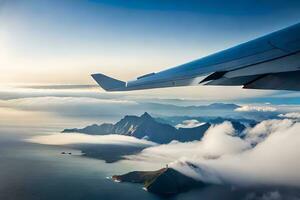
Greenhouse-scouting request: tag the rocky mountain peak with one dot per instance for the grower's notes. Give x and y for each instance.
(146, 116)
(145, 126)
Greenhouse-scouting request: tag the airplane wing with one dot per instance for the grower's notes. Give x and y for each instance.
(269, 62)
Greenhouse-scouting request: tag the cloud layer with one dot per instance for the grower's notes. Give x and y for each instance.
(74, 106)
(267, 155)
(189, 124)
(255, 108)
(292, 115)
(77, 138)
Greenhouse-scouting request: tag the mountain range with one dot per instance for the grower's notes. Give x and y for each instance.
(146, 127)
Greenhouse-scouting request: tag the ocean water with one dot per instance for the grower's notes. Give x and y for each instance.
(33, 171)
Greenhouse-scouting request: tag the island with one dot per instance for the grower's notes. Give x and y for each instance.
(166, 181)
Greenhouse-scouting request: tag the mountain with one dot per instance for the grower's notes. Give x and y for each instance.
(191, 134)
(94, 129)
(166, 181)
(172, 182)
(144, 127)
(144, 177)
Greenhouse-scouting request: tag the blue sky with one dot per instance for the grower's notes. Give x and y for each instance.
(64, 41)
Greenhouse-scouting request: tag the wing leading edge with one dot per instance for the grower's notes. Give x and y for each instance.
(269, 62)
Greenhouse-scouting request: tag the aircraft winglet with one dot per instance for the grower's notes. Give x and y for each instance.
(108, 83)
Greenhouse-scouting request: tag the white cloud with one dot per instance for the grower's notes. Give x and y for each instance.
(189, 124)
(292, 115)
(254, 108)
(259, 132)
(273, 161)
(77, 138)
(73, 106)
(168, 152)
(218, 140)
(26, 91)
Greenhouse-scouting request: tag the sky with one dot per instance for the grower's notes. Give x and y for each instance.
(64, 41)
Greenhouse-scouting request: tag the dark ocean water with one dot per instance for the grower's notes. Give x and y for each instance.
(33, 171)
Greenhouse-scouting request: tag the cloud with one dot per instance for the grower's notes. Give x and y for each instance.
(262, 130)
(30, 91)
(74, 106)
(77, 138)
(110, 107)
(59, 86)
(89, 107)
(207, 94)
(189, 124)
(272, 161)
(19, 97)
(292, 115)
(218, 140)
(252, 108)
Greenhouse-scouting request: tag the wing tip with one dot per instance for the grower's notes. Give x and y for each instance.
(108, 83)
